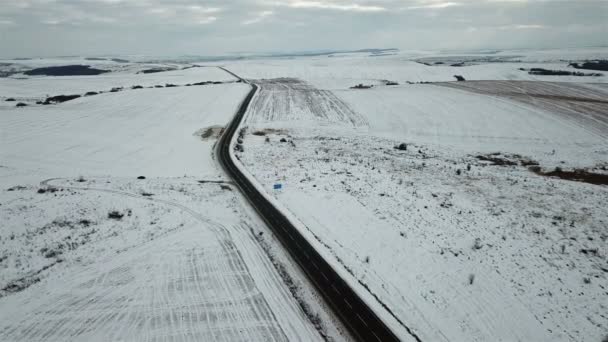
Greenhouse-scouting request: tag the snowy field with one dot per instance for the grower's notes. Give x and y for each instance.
(455, 234)
(343, 71)
(30, 89)
(430, 196)
(118, 224)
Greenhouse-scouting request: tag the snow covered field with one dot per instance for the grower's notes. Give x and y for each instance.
(457, 232)
(89, 251)
(30, 89)
(343, 71)
(455, 235)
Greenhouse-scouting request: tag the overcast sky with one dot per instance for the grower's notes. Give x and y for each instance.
(214, 27)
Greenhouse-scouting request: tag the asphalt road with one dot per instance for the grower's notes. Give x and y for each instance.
(355, 314)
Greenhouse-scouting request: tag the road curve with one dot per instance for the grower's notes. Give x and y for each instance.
(354, 313)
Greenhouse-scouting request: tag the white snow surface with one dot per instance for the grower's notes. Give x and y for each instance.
(457, 248)
(333, 73)
(90, 252)
(32, 88)
(152, 132)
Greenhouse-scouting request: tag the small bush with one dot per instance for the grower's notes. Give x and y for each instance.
(401, 147)
(471, 278)
(477, 244)
(115, 215)
(60, 99)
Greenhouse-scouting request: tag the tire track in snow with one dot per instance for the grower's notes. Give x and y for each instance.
(197, 288)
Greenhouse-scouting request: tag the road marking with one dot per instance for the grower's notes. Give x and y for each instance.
(335, 288)
(347, 303)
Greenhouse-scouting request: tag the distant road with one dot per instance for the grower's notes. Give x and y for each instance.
(360, 319)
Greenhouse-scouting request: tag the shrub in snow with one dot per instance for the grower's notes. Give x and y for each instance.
(477, 244)
(401, 147)
(60, 99)
(115, 215)
(21, 104)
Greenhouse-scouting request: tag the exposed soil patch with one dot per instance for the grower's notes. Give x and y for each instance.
(266, 131)
(506, 159)
(209, 133)
(547, 72)
(577, 175)
(66, 70)
(592, 65)
(155, 70)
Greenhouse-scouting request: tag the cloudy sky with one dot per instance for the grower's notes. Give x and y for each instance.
(215, 27)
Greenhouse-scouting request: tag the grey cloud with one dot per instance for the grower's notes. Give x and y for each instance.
(66, 27)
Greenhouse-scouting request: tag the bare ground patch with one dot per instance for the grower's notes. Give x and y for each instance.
(209, 133)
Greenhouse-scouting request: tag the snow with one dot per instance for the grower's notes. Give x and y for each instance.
(457, 248)
(91, 252)
(89, 133)
(341, 73)
(445, 117)
(38, 87)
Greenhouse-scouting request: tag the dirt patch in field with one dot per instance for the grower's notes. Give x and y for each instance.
(266, 131)
(577, 175)
(209, 133)
(506, 159)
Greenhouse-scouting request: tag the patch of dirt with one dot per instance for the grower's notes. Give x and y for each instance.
(577, 175)
(506, 159)
(266, 131)
(209, 133)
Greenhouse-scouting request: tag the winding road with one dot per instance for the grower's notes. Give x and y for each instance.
(355, 314)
